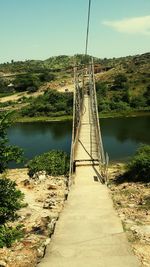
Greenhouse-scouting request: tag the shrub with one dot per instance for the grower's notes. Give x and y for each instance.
(7, 152)
(51, 102)
(10, 200)
(120, 82)
(139, 167)
(8, 235)
(53, 162)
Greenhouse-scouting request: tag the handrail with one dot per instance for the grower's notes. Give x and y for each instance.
(97, 118)
(77, 111)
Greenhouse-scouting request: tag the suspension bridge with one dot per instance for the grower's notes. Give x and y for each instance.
(88, 232)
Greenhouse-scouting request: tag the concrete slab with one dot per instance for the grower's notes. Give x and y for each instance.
(89, 232)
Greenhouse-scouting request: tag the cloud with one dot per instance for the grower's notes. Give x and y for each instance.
(136, 25)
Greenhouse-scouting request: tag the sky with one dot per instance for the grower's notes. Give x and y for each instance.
(39, 29)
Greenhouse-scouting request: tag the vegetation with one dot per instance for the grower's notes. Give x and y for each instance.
(122, 87)
(7, 152)
(52, 103)
(138, 169)
(10, 202)
(10, 197)
(118, 96)
(53, 162)
(8, 235)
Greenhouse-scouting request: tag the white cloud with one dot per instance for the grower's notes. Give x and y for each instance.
(136, 25)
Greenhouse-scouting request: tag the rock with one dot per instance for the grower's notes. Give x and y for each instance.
(129, 221)
(40, 176)
(145, 229)
(26, 182)
(47, 241)
(3, 263)
(131, 205)
(42, 248)
(52, 187)
(51, 226)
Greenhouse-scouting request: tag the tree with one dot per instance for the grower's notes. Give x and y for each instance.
(7, 152)
(120, 81)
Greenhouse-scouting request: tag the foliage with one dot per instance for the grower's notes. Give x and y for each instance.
(53, 162)
(139, 167)
(8, 235)
(51, 103)
(7, 152)
(46, 76)
(3, 86)
(10, 200)
(120, 81)
(25, 82)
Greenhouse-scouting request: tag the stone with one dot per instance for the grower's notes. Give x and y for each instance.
(131, 205)
(41, 175)
(3, 263)
(52, 187)
(26, 182)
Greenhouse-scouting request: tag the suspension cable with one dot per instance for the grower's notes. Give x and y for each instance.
(88, 26)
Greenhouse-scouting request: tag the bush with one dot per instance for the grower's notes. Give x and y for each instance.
(7, 152)
(120, 82)
(10, 200)
(53, 162)
(27, 82)
(8, 235)
(51, 102)
(139, 167)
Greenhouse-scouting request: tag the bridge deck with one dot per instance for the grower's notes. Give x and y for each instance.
(89, 232)
(86, 147)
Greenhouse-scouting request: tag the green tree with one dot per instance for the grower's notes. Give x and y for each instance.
(7, 152)
(120, 82)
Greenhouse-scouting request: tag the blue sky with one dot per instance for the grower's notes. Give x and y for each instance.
(38, 29)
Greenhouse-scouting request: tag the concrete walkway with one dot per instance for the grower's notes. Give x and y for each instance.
(89, 233)
(86, 149)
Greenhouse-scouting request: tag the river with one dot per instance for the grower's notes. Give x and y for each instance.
(121, 136)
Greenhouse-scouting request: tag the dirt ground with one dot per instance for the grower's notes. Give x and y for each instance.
(132, 202)
(45, 197)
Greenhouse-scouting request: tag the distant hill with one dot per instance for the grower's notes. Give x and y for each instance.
(123, 84)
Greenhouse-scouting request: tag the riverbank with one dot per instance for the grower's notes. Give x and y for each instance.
(132, 202)
(69, 117)
(45, 197)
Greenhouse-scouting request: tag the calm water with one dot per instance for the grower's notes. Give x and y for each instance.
(121, 136)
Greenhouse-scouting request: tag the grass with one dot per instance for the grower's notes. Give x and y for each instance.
(6, 94)
(43, 118)
(130, 113)
(69, 117)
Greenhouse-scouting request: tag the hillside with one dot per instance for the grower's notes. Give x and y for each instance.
(123, 84)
